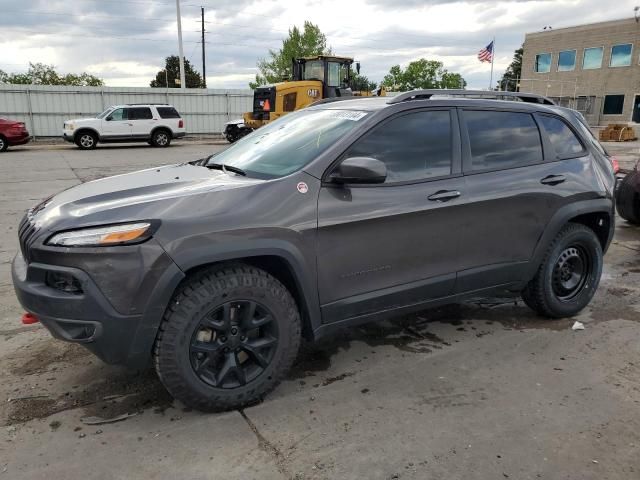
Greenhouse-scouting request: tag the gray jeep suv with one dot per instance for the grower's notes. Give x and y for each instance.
(338, 214)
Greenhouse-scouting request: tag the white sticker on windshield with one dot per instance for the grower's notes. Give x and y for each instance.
(347, 115)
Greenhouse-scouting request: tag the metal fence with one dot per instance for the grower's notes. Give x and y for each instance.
(44, 108)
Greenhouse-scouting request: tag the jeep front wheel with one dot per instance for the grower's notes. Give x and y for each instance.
(227, 339)
(569, 274)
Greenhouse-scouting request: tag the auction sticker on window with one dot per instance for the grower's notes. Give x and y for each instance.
(303, 187)
(347, 115)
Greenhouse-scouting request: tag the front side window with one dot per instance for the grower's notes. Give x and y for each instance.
(501, 140)
(543, 63)
(592, 58)
(562, 138)
(620, 55)
(333, 74)
(567, 61)
(413, 147)
(118, 114)
(289, 143)
(613, 105)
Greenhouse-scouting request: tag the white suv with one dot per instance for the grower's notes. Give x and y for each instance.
(156, 124)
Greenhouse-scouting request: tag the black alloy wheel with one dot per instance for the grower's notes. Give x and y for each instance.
(234, 344)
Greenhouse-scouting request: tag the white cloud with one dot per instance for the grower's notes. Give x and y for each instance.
(125, 42)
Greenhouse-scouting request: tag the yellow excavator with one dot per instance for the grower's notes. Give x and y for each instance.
(312, 79)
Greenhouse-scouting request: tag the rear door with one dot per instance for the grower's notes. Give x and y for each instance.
(142, 122)
(515, 181)
(393, 244)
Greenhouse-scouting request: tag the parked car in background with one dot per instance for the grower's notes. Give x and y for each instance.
(12, 132)
(628, 196)
(217, 268)
(156, 124)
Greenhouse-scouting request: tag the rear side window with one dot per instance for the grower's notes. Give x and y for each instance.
(140, 113)
(564, 141)
(167, 112)
(413, 147)
(501, 140)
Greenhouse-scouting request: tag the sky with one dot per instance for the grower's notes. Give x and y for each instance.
(124, 42)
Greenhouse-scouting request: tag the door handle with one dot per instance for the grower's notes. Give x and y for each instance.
(553, 179)
(444, 195)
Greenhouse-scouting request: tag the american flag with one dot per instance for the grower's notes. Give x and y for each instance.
(486, 54)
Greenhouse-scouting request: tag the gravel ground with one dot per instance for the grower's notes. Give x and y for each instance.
(480, 390)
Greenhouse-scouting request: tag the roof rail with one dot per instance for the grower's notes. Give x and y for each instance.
(486, 94)
(147, 103)
(334, 99)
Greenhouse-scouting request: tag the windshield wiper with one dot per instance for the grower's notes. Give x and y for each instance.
(224, 168)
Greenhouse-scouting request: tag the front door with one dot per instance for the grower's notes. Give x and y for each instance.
(393, 244)
(117, 125)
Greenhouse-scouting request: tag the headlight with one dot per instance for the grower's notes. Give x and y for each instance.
(70, 126)
(103, 236)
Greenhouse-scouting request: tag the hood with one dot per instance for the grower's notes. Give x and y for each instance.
(111, 194)
(78, 120)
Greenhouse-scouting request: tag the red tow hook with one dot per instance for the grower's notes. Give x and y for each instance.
(29, 319)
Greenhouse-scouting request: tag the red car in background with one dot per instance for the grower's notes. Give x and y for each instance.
(12, 133)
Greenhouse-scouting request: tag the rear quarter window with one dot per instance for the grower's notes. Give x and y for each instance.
(564, 141)
(168, 112)
(500, 140)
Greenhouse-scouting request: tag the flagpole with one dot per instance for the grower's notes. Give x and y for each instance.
(493, 56)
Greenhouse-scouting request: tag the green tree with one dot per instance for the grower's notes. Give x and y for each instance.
(360, 83)
(41, 74)
(167, 76)
(422, 74)
(309, 41)
(513, 72)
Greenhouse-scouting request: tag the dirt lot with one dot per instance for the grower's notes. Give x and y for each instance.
(481, 390)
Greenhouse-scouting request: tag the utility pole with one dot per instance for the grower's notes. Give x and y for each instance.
(204, 67)
(183, 83)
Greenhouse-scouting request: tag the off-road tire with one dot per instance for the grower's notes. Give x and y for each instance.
(86, 140)
(161, 138)
(628, 200)
(4, 144)
(540, 295)
(202, 293)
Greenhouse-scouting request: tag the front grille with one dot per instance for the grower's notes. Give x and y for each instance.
(27, 234)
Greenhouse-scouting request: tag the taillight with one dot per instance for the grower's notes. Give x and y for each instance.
(615, 164)
(181, 124)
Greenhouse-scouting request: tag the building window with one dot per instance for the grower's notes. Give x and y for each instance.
(543, 63)
(585, 104)
(613, 104)
(592, 58)
(621, 55)
(567, 61)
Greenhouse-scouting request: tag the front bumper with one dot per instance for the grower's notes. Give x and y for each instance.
(94, 317)
(68, 136)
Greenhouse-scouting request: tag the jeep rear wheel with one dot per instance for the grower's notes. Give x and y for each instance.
(86, 140)
(228, 337)
(161, 138)
(569, 274)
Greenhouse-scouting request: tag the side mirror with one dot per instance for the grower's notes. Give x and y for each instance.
(359, 170)
(358, 67)
(109, 118)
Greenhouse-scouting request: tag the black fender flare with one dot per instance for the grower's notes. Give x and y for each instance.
(564, 216)
(303, 273)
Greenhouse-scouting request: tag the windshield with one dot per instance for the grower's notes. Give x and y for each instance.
(288, 144)
(105, 113)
